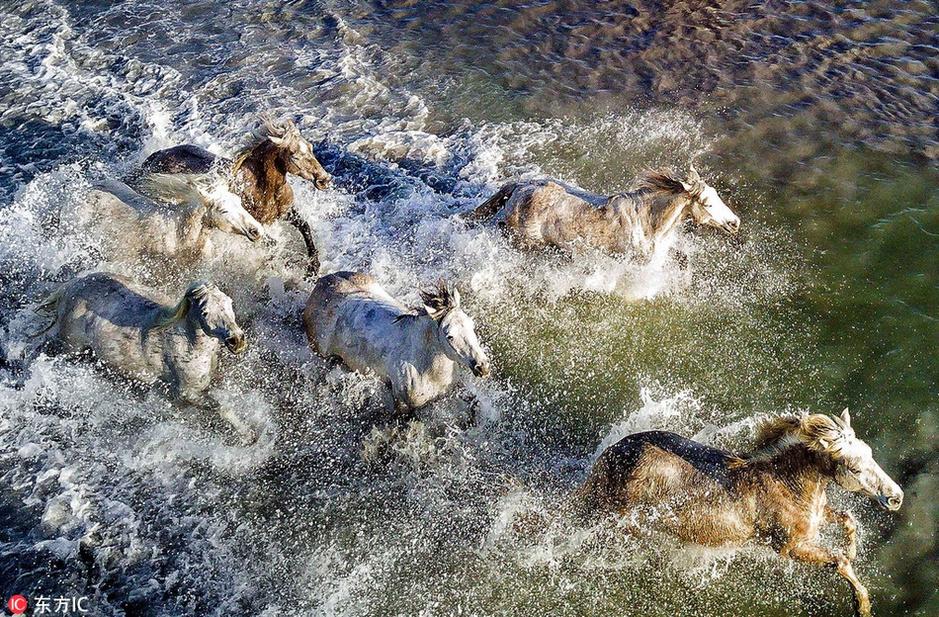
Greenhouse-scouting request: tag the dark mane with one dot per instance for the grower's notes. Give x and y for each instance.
(661, 181)
(439, 298)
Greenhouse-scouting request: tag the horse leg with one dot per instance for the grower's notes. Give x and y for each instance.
(206, 402)
(811, 553)
(849, 524)
(293, 217)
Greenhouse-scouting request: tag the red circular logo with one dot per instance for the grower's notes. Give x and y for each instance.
(17, 604)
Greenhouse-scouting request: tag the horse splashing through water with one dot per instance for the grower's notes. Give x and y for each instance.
(548, 213)
(138, 333)
(258, 174)
(774, 495)
(132, 225)
(350, 317)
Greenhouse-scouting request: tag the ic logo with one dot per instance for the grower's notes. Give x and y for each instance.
(17, 604)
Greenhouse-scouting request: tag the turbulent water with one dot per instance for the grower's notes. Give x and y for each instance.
(817, 125)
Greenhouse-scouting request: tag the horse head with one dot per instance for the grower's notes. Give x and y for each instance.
(455, 329)
(225, 212)
(707, 208)
(855, 467)
(211, 311)
(297, 152)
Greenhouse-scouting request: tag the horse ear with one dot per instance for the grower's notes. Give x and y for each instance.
(692, 182)
(846, 418)
(455, 298)
(436, 313)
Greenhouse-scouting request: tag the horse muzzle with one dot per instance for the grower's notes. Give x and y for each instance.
(236, 344)
(731, 227)
(890, 503)
(322, 183)
(481, 369)
(254, 234)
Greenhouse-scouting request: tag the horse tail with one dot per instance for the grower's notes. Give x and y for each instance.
(598, 492)
(491, 206)
(47, 308)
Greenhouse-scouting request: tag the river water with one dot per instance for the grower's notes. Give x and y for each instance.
(816, 124)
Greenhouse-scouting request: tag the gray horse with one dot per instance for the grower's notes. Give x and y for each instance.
(548, 213)
(349, 316)
(140, 334)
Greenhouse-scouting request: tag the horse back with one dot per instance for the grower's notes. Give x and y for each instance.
(97, 310)
(555, 214)
(343, 307)
(652, 466)
(184, 159)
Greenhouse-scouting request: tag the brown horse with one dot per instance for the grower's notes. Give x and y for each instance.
(548, 213)
(258, 174)
(775, 494)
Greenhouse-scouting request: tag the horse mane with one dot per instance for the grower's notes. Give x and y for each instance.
(439, 299)
(817, 432)
(661, 181)
(195, 294)
(267, 127)
(660, 189)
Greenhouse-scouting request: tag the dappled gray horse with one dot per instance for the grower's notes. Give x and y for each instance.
(350, 317)
(775, 494)
(258, 174)
(139, 333)
(548, 213)
(132, 224)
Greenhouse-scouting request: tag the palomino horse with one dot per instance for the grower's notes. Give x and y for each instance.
(138, 333)
(258, 174)
(350, 317)
(775, 494)
(547, 213)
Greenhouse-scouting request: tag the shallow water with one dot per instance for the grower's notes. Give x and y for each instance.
(816, 125)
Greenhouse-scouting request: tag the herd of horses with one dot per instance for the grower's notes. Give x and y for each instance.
(182, 197)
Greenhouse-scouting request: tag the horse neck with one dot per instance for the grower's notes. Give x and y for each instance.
(189, 328)
(427, 350)
(797, 473)
(664, 212)
(264, 183)
(192, 225)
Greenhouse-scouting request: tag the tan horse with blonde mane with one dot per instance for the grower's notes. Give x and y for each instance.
(774, 495)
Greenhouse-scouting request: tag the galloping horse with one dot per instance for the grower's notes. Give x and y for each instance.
(775, 494)
(258, 175)
(548, 213)
(131, 224)
(138, 333)
(350, 317)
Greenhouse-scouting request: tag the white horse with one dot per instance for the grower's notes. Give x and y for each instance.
(548, 213)
(133, 224)
(140, 334)
(350, 317)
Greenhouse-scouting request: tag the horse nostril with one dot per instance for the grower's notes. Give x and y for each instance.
(323, 184)
(894, 502)
(235, 343)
